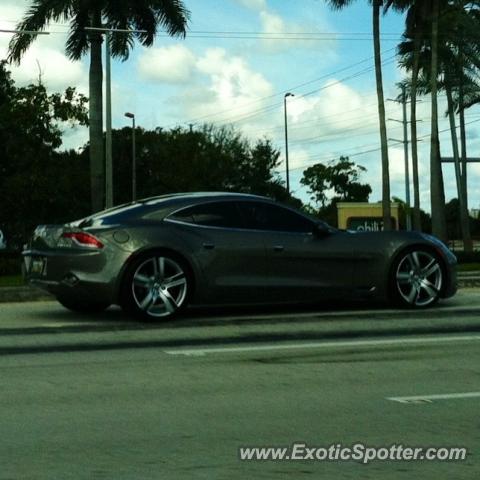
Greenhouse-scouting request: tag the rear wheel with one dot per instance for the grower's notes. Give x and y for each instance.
(417, 278)
(156, 287)
(82, 306)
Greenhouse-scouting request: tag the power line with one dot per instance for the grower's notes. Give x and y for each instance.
(333, 136)
(289, 39)
(250, 32)
(281, 93)
(369, 151)
(242, 33)
(267, 109)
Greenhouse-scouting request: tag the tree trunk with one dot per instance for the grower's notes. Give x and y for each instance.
(417, 224)
(97, 164)
(387, 224)
(464, 220)
(437, 195)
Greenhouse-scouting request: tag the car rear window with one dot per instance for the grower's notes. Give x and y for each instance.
(212, 214)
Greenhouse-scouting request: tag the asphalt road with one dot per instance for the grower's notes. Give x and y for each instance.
(38, 314)
(161, 414)
(176, 401)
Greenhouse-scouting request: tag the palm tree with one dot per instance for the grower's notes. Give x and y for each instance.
(458, 60)
(376, 6)
(415, 24)
(468, 89)
(416, 18)
(145, 16)
(437, 192)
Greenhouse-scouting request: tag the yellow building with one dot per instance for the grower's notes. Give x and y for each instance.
(364, 216)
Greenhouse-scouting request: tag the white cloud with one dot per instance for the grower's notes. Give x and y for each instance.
(272, 22)
(57, 72)
(173, 64)
(74, 137)
(254, 4)
(298, 159)
(280, 31)
(332, 114)
(225, 84)
(396, 164)
(45, 55)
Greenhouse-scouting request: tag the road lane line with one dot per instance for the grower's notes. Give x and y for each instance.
(329, 344)
(440, 396)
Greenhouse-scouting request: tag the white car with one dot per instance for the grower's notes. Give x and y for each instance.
(3, 243)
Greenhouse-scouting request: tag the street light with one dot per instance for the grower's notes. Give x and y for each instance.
(134, 161)
(288, 94)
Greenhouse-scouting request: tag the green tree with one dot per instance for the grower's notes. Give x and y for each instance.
(145, 16)
(206, 159)
(376, 7)
(36, 180)
(338, 179)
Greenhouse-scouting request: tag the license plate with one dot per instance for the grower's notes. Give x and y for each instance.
(37, 266)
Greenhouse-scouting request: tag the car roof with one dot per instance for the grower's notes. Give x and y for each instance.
(198, 195)
(162, 204)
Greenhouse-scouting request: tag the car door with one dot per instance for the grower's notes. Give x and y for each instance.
(232, 259)
(302, 265)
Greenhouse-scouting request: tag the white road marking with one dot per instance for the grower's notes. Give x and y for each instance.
(328, 344)
(440, 396)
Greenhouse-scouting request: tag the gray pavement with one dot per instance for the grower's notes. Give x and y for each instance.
(151, 414)
(29, 327)
(104, 397)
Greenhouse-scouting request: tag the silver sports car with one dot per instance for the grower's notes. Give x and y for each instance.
(155, 256)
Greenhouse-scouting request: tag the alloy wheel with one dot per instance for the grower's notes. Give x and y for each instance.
(159, 286)
(419, 278)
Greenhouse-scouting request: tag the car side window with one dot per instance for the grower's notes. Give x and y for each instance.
(212, 214)
(265, 216)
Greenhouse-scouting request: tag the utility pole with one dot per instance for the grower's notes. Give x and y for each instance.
(286, 138)
(405, 149)
(108, 106)
(405, 141)
(134, 157)
(108, 125)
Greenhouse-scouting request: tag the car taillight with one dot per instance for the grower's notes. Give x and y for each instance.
(82, 239)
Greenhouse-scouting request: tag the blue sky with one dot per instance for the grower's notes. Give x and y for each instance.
(324, 57)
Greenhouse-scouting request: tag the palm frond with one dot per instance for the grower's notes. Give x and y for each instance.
(338, 4)
(37, 18)
(171, 15)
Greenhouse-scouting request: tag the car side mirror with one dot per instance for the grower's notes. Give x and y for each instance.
(321, 230)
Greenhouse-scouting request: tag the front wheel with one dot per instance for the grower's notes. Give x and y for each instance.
(417, 279)
(156, 287)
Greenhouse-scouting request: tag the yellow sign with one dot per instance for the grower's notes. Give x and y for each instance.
(364, 216)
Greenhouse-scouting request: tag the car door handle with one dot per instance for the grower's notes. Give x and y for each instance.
(278, 248)
(208, 246)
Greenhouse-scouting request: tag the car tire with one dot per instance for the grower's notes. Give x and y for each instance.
(156, 287)
(417, 278)
(82, 307)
